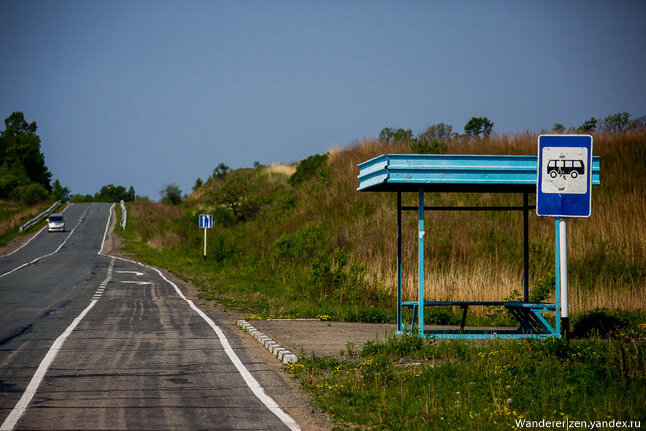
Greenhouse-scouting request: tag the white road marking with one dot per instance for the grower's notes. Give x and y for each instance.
(136, 282)
(253, 384)
(107, 226)
(137, 273)
(49, 254)
(14, 353)
(38, 233)
(29, 393)
(23, 403)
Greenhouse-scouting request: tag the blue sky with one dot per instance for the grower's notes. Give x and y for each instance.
(146, 93)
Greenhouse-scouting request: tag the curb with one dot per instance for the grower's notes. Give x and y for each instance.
(283, 355)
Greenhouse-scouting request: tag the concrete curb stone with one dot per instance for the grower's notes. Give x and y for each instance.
(283, 355)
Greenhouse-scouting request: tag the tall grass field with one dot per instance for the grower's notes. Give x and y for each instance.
(300, 240)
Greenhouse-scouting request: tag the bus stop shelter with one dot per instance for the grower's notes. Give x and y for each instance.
(445, 173)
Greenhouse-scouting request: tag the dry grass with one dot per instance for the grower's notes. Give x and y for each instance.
(280, 168)
(159, 240)
(19, 215)
(455, 270)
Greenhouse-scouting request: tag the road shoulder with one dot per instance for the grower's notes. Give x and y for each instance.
(277, 383)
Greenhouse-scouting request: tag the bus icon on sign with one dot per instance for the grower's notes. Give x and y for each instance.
(573, 168)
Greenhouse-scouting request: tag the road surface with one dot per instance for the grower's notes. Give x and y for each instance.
(90, 341)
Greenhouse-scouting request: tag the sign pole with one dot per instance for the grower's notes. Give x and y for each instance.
(565, 314)
(206, 222)
(557, 278)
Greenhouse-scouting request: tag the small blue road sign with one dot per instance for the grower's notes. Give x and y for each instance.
(206, 221)
(564, 176)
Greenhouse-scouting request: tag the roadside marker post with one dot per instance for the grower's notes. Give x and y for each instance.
(206, 222)
(563, 189)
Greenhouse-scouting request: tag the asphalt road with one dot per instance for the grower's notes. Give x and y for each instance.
(136, 355)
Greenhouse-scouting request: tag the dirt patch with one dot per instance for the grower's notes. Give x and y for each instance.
(281, 168)
(322, 338)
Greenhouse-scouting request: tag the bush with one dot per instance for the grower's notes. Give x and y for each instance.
(307, 168)
(604, 323)
(32, 193)
(301, 245)
(422, 146)
(171, 194)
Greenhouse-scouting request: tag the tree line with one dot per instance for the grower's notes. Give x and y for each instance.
(24, 176)
(434, 139)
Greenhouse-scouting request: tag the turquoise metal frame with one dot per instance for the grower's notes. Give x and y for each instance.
(423, 173)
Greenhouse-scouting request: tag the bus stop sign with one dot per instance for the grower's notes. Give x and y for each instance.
(564, 176)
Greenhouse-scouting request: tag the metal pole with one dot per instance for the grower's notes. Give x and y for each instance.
(420, 263)
(565, 314)
(526, 247)
(204, 243)
(557, 278)
(399, 261)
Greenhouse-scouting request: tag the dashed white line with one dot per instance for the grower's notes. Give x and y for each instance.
(49, 254)
(38, 233)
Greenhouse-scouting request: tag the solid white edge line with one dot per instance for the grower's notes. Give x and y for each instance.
(52, 253)
(29, 393)
(251, 382)
(107, 226)
(37, 233)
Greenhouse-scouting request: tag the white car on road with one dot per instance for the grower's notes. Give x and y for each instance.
(56, 222)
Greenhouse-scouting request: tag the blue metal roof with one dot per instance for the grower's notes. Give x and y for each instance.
(453, 173)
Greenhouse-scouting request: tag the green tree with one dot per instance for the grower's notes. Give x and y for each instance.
(391, 135)
(307, 168)
(10, 179)
(20, 146)
(198, 183)
(477, 126)
(32, 193)
(422, 146)
(112, 193)
(60, 193)
(440, 132)
(558, 128)
(171, 194)
(589, 125)
(616, 122)
(220, 171)
(131, 196)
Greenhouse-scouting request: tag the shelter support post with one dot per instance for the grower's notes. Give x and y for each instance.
(399, 262)
(420, 262)
(526, 247)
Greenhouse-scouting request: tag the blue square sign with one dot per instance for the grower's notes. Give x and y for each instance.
(206, 221)
(564, 173)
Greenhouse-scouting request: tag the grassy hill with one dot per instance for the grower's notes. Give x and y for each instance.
(301, 241)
